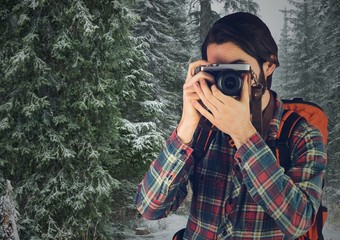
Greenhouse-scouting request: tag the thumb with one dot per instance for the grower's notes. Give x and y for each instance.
(245, 94)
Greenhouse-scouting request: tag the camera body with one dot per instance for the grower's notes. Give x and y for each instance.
(228, 77)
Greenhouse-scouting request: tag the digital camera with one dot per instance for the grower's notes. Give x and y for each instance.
(228, 77)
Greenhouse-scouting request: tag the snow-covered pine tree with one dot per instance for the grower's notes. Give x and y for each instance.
(162, 27)
(206, 18)
(240, 6)
(202, 16)
(200, 19)
(65, 70)
(304, 52)
(149, 97)
(315, 67)
(327, 17)
(283, 73)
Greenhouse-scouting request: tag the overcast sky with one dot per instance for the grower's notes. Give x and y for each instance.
(270, 14)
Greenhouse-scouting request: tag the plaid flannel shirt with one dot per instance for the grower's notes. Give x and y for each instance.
(239, 193)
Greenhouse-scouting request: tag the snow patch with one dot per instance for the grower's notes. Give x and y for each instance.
(165, 228)
(162, 229)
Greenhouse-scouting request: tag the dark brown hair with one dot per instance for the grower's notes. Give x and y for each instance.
(248, 32)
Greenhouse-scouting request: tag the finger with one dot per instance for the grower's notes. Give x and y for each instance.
(245, 89)
(217, 93)
(226, 100)
(189, 93)
(203, 111)
(208, 93)
(189, 88)
(192, 96)
(193, 66)
(210, 78)
(199, 76)
(209, 104)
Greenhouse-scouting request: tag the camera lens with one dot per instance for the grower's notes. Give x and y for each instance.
(230, 83)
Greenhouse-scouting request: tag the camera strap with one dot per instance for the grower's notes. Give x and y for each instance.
(256, 106)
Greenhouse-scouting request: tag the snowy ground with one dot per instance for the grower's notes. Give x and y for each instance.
(330, 233)
(165, 229)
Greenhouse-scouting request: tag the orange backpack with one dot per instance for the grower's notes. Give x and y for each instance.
(295, 110)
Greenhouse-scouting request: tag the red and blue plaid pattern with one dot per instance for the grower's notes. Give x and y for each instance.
(239, 194)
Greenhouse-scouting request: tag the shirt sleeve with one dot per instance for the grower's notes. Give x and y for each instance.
(164, 186)
(292, 198)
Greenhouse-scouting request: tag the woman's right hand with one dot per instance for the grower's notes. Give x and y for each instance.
(190, 116)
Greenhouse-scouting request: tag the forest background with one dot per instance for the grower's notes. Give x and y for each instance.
(89, 91)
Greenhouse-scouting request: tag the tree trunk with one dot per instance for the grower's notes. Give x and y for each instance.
(206, 18)
(8, 215)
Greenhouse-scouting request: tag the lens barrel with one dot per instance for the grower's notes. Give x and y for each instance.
(229, 82)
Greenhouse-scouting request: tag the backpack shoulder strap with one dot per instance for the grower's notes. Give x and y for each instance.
(201, 143)
(203, 139)
(282, 146)
(312, 112)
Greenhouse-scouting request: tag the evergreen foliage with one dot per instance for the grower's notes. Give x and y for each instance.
(163, 30)
(202, 17)
(240, 6)
(327, 64)
(303, 51)
(71, 85)
(284, 71)
(310, 69)
(89, 90)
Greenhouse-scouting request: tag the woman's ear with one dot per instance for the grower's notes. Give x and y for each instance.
(268, 68)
